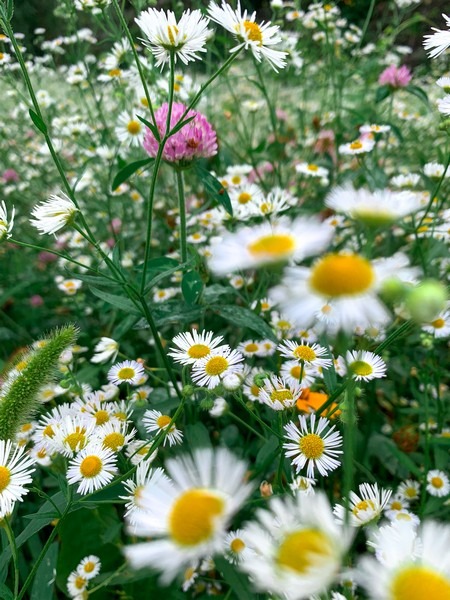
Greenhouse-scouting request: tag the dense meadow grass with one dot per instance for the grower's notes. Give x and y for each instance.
(224, 315)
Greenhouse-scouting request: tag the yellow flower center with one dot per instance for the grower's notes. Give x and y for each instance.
(253, 31)
(244, 198)
(80, 582)
(255, 389)
(281, 395)
(163, 421)
(363, 505)
(305, 353)
(198, 351)
(193, 516)
(356, 145)
(312, 445)
(438, 323)
(121, 416)
(396, 505)
(134, 127)
(437, 482)
(115, 73)
(359, 367)
(172, 31)
(101, 416)
(48, 431)
(5, 478)
(26, 427)
(410, 492)
(76, 440)
(313, 168)
(89, 567)
(114, 441)
(91, 466)
(275, 245)
(42, 453)
(237, 545)
(125, 373)
(419, 583)
(295, 371)
(216, 365)
(236, 179)
(251, 347)
(303, 550)
(338, 275)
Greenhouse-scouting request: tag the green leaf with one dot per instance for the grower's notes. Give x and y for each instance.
(418, 93)
(9, 9)
(154, 280)
(121, 302)
(197, 436)
(181, 124)
(382, 92)
(94, 280)
(238, 582)
(128, 170)
(45, 575)
(244, 317)
(152, 128)
(191, 286)
(158, 264)
(214, 188)
(5, 592)
(124, 326)
(267, 452)
(37, 120)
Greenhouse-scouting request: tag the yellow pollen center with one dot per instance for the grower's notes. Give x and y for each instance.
(396, 505)
(235, 179)
(172, 31)
(89, 567)
(91, 466)
(295, 371)
(76, 440)
(216, 365)
(48, 431)
(251, 347)
(338, 275)
(281, 395)
(163, 421)
(114, 73)
(363, 505)
(80, 582)
(312, 445)
(253, 32)
(356, 145)
(303, 550)
(255, 389)
(237, 545)
(314, 168)
(305, 353)
(5, 478)
(101, 416)
(134, 127)
(26, 427)
(284, 325)
(193, 516)
(276, 245)
(419, 583)
(143, 451)
(410, 492)
(114, 441)
(42, 453)
(438, 323)
(359, 367)
(198, 351)
(244, 198)
(125, 373)
(437, 482)
(121, 416)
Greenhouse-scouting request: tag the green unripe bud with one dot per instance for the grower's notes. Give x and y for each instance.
(65, 383)
(260, 378)
(206, 404)
(393, 290)
(188, 391)
(426, 301)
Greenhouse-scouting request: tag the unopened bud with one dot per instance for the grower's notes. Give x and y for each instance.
(426, 301)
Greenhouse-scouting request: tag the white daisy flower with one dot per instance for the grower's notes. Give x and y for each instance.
(438, 42)
(113, 435)
(155, 421)
(235, 547)
(292, 370)
(251, 247)
(317, 446)
(303, 485)
(93, 468)
(365, 508)
(360, 146)
(72, 435)
(440, 326)
(396, 504)
(142, 476)
(128, 371)
(438, 483)
(444, 83)
(249, 34)
(249, 348)
(435, 170)
(16, 469)
(443, 104)
(184, 38)
(192, 346)
(278, 394)
(365, 365)
(106, 349)
(410, 563)
(89, 567)
(373, 128)
(305, 352)
(311, 170)
(378, 208)
(209, 371)
(339, 290)
(409, 490)
(53, 215)
(6, 224)
(129, 129)
(76, 585)
(187, 516)
(298, 548)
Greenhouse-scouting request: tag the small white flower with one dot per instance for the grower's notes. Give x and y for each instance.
(437, 43)
(209, 371)
(155, 421)
(6, 224)
(53, 215)
(105, 350)
(365, 365)
(360, 146)
(93, 468)
(128, 371)
(193, 346)
(438, 483)
(16, 469)
(89, 567)
(364, 508)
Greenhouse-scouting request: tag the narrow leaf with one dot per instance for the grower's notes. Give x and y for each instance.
(45, 576)
(214, 188)
(382, 92)
(152, 128)
(121, 302)
(238, 582)
(128, 170)
(191, 286)
(418, 93)
(181, 124)
(38, 122)
(246, 318)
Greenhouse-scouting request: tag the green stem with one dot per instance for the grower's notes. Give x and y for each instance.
(247, 426)
(257, 417)
(349, 443)
(108, 579)
(14, 554)
(182, 212)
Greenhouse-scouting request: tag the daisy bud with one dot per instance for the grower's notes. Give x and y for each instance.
(426, 301)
